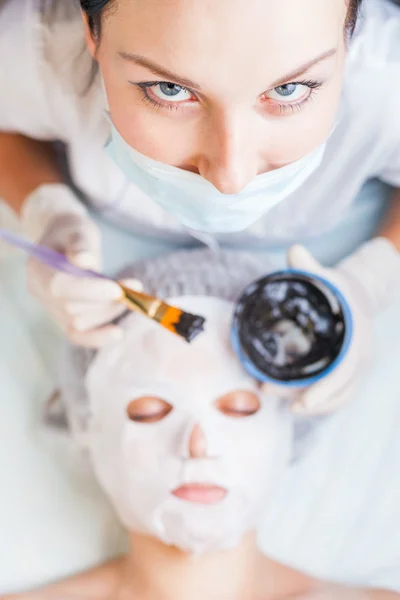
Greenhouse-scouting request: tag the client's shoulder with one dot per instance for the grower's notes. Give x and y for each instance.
(96, 584)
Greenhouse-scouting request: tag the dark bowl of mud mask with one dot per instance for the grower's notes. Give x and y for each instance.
(291, 328)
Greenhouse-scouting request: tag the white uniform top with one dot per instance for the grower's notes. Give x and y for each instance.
(344, 522)
(45, 93)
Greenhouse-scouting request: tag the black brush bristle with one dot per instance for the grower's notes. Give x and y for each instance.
(189, 326)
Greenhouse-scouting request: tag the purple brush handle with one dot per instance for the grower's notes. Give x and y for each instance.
(47, 256)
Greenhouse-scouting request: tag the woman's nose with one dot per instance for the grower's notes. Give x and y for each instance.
(230, 157)
(197, 443)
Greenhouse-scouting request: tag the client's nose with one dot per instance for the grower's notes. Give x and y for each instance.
(197, 443)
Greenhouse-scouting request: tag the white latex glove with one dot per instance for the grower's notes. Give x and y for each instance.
(84, 308)
(367, 280)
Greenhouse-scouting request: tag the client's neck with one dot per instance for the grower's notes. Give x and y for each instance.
(154, 570)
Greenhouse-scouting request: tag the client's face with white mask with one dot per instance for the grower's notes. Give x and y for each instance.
(181, 438)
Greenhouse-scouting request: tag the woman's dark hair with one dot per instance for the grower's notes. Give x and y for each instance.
(352, 15)
(95, 9)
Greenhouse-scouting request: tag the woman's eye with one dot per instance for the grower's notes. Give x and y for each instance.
(170, 92)
(148, 409)
(239, 403)
(290, 93)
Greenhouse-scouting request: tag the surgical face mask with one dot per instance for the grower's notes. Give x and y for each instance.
(144, 466)
(196, 203)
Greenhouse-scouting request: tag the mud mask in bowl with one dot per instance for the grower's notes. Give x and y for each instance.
(142, 466)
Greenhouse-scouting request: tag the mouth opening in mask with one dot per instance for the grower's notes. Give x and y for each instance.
(200, 493)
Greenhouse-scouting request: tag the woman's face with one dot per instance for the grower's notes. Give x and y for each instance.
(182, 440)
(225, 88)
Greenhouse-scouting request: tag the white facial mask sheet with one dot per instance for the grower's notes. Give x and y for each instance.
(139, 464)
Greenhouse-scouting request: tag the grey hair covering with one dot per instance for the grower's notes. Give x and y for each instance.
(199, 272)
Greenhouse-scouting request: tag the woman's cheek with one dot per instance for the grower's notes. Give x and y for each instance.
(156, 133)
(312, 126)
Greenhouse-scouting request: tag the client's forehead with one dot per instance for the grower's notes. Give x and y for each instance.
(150, 354)
(169, 358)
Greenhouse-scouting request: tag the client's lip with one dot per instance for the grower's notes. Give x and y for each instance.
(200, 493)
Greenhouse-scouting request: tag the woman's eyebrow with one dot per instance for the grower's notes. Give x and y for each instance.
(159, 71)
(299, 71)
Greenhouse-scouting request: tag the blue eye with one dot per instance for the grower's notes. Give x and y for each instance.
(290, 93)
(164, 93)
(293, 93)
(286, 90)
(170, 89)
(170, 92)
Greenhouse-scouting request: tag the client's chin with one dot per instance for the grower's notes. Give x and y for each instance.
(200, 493)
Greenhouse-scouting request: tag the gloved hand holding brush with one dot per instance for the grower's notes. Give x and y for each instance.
(84, 308)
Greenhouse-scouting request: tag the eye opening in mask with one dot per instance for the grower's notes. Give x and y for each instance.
(148, 409)
(239, 404)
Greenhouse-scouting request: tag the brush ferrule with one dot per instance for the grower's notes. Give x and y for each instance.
(148, 305)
